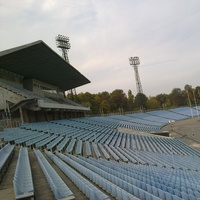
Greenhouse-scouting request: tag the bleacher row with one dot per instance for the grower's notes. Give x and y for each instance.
(6, 154)
(77, 142)
(119, 179)
(124, 165)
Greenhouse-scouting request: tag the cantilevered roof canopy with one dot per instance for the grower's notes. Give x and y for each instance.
(38, 61)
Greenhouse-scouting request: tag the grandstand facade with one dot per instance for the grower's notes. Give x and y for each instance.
(33, 81)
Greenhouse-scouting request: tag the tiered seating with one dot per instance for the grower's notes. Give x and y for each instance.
(23, 182)
(79, 147)
(18, 135)
(127, 165)
(167, 114)
(106, 155)
(37, 139)
(148, 117)
(187, 111)
(119, 154)
(111, 152)
(131, 122)
(164, 183)
(44, 142)
(96, 151)
(126, 157)
(84, 185)
(88, 149)
(53, 143)
(98, 179)
(5, 157)
(71, 146)
(58, 187)
(61, 146)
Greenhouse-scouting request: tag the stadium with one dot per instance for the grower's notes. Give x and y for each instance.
(50, 150)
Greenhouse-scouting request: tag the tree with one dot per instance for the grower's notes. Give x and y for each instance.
(189, 94)
(141, 101)
(152, 103)
(105, 95)
(188, 87)
(197, 94)
(118, 100)
(163, 100)
(130, 101)
(178, 97)
(87, 99)
(105, 106)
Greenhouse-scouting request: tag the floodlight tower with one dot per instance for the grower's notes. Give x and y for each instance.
(134, 62)
(62, 42)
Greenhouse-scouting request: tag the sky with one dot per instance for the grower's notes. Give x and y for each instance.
(104, 34)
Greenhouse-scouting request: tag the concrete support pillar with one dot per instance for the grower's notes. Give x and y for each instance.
(21, 115)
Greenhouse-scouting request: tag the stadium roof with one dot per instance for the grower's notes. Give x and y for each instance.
(38, 61)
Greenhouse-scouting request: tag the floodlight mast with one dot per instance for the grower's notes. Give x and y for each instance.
(134, 62)
(62, 42)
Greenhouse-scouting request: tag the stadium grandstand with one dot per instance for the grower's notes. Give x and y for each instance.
(68, 156)
(33, 81)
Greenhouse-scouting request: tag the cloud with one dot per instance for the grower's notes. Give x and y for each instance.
(104, 34)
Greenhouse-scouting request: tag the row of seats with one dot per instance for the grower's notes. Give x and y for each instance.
(102, 182)
(161, 183)
(58, 187)
(6, 154)
(22, 181)
(148, 117)
(112, 139)
(54, 143)
(62, 144)
(187, 111)
(168, 115)
(104, 152)
(44, 142)
(84, 185)
(96, 151)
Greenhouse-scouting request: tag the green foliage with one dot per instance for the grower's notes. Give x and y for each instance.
(130, 101)
(178, 97)
(197, 94)
(104, 106)
(163, 100)
(153, 103)
(141, 101)
(118, 101)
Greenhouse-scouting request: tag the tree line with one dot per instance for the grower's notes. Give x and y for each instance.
(118, 101)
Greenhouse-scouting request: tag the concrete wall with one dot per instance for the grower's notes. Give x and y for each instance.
(6, 95)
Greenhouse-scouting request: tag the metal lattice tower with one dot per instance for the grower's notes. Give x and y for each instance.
(134, 62)
(62, 42)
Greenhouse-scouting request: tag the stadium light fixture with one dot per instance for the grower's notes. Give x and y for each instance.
(134, 62)
(62, 42)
